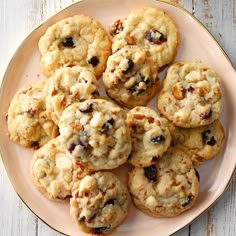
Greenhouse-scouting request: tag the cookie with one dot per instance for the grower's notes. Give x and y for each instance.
(95, 131)
(75, 41)
(54, 170)
(66, 86)
(28, 124)
(191, 95)
(202, 143)
(150, 136)
(165, 189)
(149, 28)
(100, 203)
(131, 77)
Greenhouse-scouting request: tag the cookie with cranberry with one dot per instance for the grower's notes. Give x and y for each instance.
(95, 131)
(149, 28)
(54, 170)
(191, 95)
(67, 86)
(202, 143)
(131, 77)
(165, 189)
(75, 41)
(150, 136)
(28, 124)
(99, 204)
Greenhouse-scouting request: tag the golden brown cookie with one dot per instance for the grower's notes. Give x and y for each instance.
(75, 41)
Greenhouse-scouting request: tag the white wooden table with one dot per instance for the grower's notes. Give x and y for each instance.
(18, 18)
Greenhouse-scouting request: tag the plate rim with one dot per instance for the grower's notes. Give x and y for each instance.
(4, 78)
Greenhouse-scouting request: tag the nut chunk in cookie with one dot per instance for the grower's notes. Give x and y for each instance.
(165, 189)
(149, 28)
(191, 95)
(131, 77)
(54, 170)
(75, 41)
(100, 202)
(28, 124)
(150, 136)
(95, 131)
(67, 86)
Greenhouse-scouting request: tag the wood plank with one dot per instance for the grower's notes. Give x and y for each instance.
(16, 218)
(220, 20)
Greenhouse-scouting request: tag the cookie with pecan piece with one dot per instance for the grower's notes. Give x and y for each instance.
(191, 95)
(131, 77)
(165, 189)
(150, 136)
(67, 86)
(95, 131)
(202, 143)
(28, 124)
(75, 41)
(54, 170)
(149, 28)
(100, 202)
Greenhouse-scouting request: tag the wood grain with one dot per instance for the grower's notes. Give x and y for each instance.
(18, 18)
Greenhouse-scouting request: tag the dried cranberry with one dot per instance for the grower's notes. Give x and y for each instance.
(206, 115)
(34, 145)
(85, 145)
(154, 159)
(31, 112)
(100, 230)
(107, 125)
(68, 42)
(186, 201)
(82, 219)
(157, 139)
(212, 141)
(72, 147)
(90, 220)
(134, 88)
(155, 37)
(130, 66)
(150, 172)
(87, 108)
(93, 61)
(110, 202)
(190, 89)
(150, 120)
(208, 138)
(205, 135)
(118, 27)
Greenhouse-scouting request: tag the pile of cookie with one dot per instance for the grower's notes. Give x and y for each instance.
(80, 136)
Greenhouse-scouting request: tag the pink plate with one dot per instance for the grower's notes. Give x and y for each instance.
(196, 44)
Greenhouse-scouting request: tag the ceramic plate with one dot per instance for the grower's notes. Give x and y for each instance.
(196, 44)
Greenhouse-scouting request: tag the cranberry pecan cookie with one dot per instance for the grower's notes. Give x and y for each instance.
(149, 28)
(131, 77)
(79, 40)
(54, 170)
(167, 188)
(95, 131)
(202, 143)
(150, 136)
(28, 124)
(100, 203)
(191, 95)
(66, 86)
